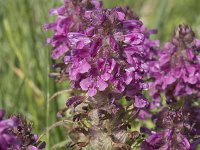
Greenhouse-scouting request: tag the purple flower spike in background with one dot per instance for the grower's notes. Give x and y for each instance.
(23, 132)
(15, 134)
(177, 70)
(176, 74)
(177, 129)
(166, 140)
(7, 139)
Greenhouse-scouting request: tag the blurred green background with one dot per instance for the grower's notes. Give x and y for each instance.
(25, 59)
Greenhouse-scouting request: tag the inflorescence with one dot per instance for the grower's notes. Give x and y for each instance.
(15, 134)
(108, 57)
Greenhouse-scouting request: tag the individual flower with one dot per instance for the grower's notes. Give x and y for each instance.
(177, 70)
(150, 46)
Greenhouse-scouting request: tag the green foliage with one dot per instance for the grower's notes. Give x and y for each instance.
(25, 59)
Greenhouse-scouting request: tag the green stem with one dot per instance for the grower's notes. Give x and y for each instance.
(56, 124)
(47, 104)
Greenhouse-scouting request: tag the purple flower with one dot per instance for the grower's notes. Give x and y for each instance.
(177, 70)
(166, 140)
(77, 40)
(22, 132)
(177, 128)
(7, 139)
(15, 134)
(140, 101)
(92, 84)
(101, 48)
(151, 46)
(74, 100)
(186, 119)
(101, 52)
(78, 68)
(144, 114)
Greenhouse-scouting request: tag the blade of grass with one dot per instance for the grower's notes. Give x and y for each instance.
(161, 12)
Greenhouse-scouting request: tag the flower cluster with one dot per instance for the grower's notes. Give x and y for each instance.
(100, 48)
(177, 70)
(7, 140)
(178, 128)
(176, 73)
(151, 47)
(23, 133)
(15, 134)
(102, 52)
